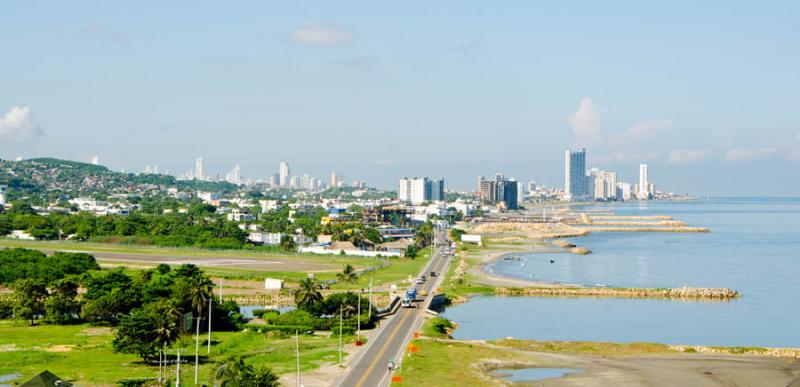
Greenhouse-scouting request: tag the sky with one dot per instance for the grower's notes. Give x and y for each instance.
(706, 93)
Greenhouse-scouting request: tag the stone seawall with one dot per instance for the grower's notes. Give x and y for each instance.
(676, 293)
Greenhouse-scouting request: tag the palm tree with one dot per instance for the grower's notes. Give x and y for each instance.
(348, 275)
(198, 293)
(166, 332)
(234, 372)
(308, 293)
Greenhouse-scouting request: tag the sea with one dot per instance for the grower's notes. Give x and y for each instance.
(753, 247)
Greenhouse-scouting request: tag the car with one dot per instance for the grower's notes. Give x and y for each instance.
(433, 274)
(420, 280)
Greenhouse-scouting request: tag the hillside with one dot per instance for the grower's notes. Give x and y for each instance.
(52, 177)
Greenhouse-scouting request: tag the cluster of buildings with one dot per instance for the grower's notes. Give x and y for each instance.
(506, 193)
(282, 179)
(601, 185)
(418, 190)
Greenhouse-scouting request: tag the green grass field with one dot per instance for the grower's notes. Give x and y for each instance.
(83, 354)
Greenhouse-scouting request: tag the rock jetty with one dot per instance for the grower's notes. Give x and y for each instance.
(676, 293)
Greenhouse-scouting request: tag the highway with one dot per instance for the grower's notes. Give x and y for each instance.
(370, 367)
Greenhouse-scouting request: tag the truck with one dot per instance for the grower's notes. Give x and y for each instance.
(408, 301)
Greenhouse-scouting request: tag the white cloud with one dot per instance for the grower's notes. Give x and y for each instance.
(647, 128)
(17, 125)
(680, 156)
(744, 154)
(322, 35)
(585, 123)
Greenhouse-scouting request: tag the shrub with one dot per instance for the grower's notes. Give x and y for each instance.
(441, 325)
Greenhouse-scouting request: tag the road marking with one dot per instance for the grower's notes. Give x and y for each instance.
(382, 350)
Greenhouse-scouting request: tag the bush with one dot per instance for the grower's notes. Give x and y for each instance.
(441, 325)
(289, 329)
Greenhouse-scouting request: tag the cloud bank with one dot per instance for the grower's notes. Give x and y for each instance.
(321, 35)
(684, 156)
(747, 154)
(17, 125)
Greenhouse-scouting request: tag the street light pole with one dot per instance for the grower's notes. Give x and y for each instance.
(178, 371)
(209, 324)
(369, 314)
(341, 320)
(358, 318)
(297, 352)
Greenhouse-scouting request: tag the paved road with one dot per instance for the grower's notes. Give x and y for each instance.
(370, 368)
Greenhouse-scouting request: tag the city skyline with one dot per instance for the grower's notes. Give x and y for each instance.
(691, 100)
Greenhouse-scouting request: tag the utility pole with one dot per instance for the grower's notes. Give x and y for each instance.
(341, 321)
(358, 318)
(297, 352)
(209, 324)
(197, 349)
(178, 372)
(221, 282)
(369, 314)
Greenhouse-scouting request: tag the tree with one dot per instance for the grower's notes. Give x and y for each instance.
(234, 372)
(166, 331)
(29, 298)
(198, 294)
(62, 307)
(287, 243)
(348, 275)
(411, 251)
(136, 334)
(308, 293)
(456, 233)
(423, 235)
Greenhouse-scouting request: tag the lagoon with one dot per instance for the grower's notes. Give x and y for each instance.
(753, 247)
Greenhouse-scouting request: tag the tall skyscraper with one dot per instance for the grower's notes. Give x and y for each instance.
(334, 180)
(283, 173)
(500, 190)
(305, 182)
(643, 191)
(234, 175)
(198, 169)
(437, 189)
(575, 182)
(3, 199)
(416, 189)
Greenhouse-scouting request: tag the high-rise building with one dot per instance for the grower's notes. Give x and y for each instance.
(623, 191)
(500, 190)
(3, 199)
(416, 189)
(604, 185)
(334, 179)
(293, 181)
(575, 181)
(274, 179)
(531, 186)
(283, 173)
(198, 169)
(643, 192)
(305, 182)
(234, 176)
(95, 160)
(480, 183)
(520, 193)
(437, 189)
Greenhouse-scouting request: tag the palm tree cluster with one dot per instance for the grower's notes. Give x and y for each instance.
(234, 372)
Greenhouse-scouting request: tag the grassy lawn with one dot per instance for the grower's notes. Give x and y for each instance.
(440, 363)
(398, 270)
(84, 354)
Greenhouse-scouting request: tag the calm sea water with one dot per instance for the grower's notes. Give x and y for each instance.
(754, 247)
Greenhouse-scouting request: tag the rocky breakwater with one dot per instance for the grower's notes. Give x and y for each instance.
(675, 293)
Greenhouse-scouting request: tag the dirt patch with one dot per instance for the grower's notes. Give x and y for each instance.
(60, 348)
(8, 348)
(95, 332)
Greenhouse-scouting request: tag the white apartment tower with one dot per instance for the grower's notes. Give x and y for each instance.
(415, 190)
(235, 176)
(642, 191)
(283, 174)
(198, 168)
(95, 160)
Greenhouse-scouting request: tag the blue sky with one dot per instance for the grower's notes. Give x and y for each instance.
(704, 92)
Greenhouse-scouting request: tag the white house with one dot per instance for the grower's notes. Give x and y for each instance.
(273, 284)
(265, 238)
